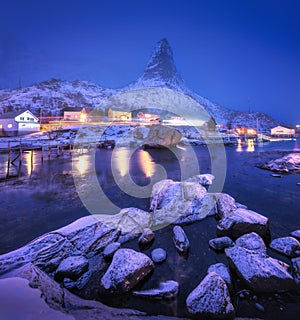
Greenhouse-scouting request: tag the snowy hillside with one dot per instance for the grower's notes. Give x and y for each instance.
(53, 95)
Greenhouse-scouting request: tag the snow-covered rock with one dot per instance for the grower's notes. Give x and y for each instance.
(210, 299)
(166, 290)
(252, 241)
(159, 255)
(72, 267)
(225, 204)
(288, 246)
(221, 243)
(296, 269)
(295, 234)
(258, 271)
(160, 137)
(110, 250)
(177, 202)
(241, 221)
(286, 164)
(222, 271)
(146, 237)
(180, 240)
(204, 179)
(127, 269)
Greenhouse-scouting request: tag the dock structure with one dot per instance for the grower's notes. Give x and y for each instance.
(15, 153)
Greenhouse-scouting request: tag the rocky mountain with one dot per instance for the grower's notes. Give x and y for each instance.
(53, 95)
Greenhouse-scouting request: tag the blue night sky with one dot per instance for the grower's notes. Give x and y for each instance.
(241, 54)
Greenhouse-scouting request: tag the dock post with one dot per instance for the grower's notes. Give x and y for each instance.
(42, 157)
(48, 152)
(8, 160)
(70, 149)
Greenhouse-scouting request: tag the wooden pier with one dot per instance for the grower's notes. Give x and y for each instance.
(15, 153)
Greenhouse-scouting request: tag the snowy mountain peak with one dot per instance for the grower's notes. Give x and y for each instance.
(161, 70)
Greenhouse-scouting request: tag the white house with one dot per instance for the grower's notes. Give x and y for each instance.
(283, 131)
(18, 123)
(75, 114)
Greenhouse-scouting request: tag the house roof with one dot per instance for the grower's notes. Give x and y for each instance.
(12, 115)
(73, 109)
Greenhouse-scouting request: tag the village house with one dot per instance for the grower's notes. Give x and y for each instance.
(18, 123)
(118, 115)
(75, 114)
(280, 131)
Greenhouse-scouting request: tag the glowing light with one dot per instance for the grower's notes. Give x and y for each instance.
(250, 145)
(239, 147)
(146, 164)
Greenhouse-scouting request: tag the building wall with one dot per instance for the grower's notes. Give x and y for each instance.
(282, 131)
(25, 127)
(119, 115)
(72, 115)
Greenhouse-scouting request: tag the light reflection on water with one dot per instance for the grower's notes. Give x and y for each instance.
(145, 162)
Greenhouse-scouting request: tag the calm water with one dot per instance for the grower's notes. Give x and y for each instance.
(44, 198)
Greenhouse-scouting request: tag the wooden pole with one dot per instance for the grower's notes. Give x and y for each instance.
(42, 158)
(48, 152)
(8, 160)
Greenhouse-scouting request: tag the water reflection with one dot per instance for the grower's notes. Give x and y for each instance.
(239, 147)
(145, 162)
(250, 145)
(82, 163)
(28, 160)
(120, 161)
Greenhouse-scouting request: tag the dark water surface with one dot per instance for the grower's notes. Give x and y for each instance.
(44, 198)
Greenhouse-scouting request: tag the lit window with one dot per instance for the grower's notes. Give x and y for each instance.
(9, 125)
(1, 126)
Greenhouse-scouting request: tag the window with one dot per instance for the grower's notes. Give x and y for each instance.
(1, 126)
(28, 118)
(21, 118)
(9, 125)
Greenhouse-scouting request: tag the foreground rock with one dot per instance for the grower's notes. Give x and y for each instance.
(180, 240)
(127, 269)
(252, 241)
(241, 221)
(286, 164)
(225, 204)
(260, 272)
(166, 290)
(222, 271)
(296, 269)
(288, 246)
(161, 137)
(72, 267)
(203, 179)
(146, 237)
(210, 299)
(159, 255)
(177, 202)
(295, 234)
(110, 250)
(219, 244)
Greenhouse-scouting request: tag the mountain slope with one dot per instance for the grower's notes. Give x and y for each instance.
(53, 95)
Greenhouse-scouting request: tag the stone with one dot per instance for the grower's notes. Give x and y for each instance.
(241, 221)
(221, 243)
(161, 137)
(251, 241)
(225, 204)
(159, 255)
(287, 164)
(173, 202)
(258, 271)
(126, 270)
(210, 299)
(222, 271)
(72, 267)
(146, 237)
(110, 250)
(204, 179)
(295, 234)
(288, 246)
(180, 240)
(296, 269)
(166, 290)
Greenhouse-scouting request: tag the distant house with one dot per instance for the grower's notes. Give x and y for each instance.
(119, 115)
(246, 131)
(75, 114)
(18, 123)
(283, 132)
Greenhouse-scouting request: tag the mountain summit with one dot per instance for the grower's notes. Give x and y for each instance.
(161, 70)
(53, 95)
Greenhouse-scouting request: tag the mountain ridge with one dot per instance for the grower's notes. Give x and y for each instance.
(51, 96)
